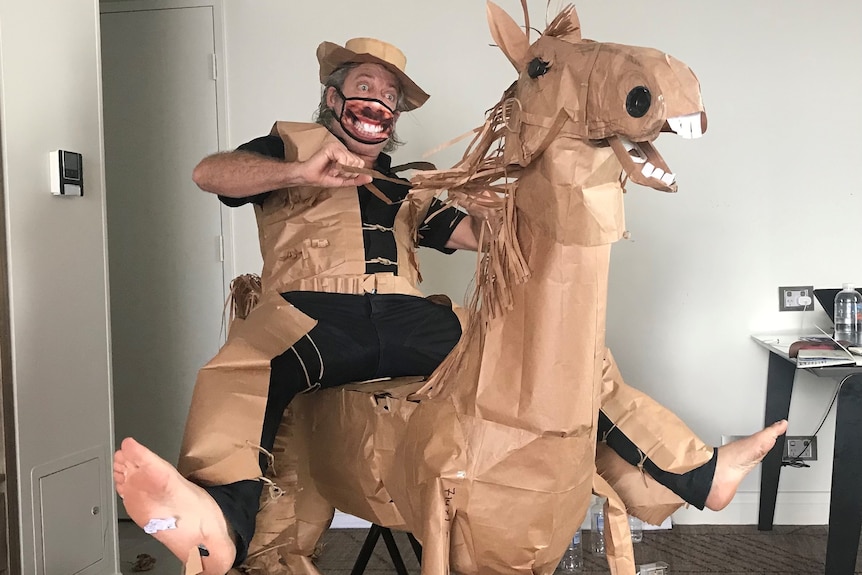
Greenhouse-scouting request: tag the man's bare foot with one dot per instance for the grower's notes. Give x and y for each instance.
(152, 489)
(736, 459)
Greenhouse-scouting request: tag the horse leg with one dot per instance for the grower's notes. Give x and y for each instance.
(662, 436)
(438, 508)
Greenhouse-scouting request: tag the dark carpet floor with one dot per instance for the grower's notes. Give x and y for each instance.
(687, 549)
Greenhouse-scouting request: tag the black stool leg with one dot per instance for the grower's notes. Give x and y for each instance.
(366, 550)
(374, 533)
(397, 561)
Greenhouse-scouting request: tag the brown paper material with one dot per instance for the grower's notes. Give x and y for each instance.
(288, 528)
(662, 436)
(327, 254)
(490, 463)
(193, 564)
(645, 498)
(217, 449)
(618, 538)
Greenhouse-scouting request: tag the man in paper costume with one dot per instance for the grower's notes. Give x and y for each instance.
(339, 303)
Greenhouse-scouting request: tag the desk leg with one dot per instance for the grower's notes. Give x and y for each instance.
(845, 505)
(779, 387)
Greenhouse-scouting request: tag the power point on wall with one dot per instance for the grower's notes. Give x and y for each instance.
(800, 447)
(795, 298)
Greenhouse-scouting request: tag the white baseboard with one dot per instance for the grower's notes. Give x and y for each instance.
(345, 521)
(791, 508)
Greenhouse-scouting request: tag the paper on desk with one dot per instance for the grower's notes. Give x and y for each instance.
(826, 358)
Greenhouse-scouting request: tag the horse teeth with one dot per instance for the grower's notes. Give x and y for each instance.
(648, 169)
(696, 126)
(658, 173)
(668, 178)
(687, 126)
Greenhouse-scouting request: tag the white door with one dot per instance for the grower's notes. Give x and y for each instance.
(166, 270)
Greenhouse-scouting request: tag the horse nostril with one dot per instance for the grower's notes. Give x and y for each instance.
(538, 67)
(638, 101)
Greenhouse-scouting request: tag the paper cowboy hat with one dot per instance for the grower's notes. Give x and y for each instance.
(358, 50)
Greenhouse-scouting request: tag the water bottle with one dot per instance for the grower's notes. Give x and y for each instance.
(848, 315)
(573, 558)
(636, 526)
(597, 527)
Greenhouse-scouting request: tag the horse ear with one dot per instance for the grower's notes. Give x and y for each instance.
(508, 36)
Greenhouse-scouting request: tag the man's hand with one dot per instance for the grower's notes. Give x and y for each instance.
(241, 174)
(326, 168)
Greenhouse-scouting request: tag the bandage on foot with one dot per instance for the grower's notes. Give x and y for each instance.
(178, 513)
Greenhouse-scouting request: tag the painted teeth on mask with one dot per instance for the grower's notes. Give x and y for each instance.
(369, 128)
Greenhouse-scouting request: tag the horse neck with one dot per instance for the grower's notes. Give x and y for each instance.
(541, 366)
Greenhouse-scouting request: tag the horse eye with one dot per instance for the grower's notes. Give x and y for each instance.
(638, 101)
(538, 67)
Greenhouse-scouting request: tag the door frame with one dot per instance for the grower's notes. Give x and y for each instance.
(227, 216)
(10, 515)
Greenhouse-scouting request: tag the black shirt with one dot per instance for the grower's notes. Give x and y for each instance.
(378, 217)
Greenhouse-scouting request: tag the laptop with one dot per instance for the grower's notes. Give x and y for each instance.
(826, 297)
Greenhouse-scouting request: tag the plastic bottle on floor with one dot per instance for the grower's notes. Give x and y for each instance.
(573, 558)
(597, 527)
(636, 526)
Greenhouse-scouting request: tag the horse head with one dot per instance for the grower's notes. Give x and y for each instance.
(598, 92)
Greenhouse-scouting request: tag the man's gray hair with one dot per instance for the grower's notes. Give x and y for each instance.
(326, 115)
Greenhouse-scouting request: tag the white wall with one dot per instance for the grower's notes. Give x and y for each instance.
(769, 197)
(758, 204)
(51, 99)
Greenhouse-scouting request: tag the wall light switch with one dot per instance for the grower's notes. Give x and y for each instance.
(67, 173)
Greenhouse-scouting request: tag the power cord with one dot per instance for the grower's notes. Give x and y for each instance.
(797, 461)
(805, 301)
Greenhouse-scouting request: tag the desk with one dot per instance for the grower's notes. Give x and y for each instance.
(845, 503)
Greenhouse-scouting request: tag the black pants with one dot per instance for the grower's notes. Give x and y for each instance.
(693, 486)
(367, 336)
(357, 337)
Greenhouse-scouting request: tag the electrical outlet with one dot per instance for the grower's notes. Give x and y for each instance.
(800, 447)
(789, 298)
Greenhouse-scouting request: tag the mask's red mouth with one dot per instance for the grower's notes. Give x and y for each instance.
(368, 121)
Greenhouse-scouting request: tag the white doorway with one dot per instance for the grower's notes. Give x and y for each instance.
(163, 112)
